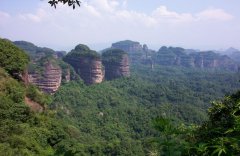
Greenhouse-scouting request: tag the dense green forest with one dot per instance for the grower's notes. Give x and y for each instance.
(119, 114)
(161, 111)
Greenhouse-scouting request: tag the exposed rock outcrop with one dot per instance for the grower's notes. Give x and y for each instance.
(46, 69)
(48, 80)
(116, 63)
(206, 60)
(134, 49)
(34, 106)
(86, 63)
(210, 59)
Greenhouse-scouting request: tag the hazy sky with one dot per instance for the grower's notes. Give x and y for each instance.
(202, 24)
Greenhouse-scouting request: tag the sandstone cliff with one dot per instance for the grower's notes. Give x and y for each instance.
(210, 59)
(46, 69)
(48, 80)
(86, 63)
(206, 60)
(116, 63)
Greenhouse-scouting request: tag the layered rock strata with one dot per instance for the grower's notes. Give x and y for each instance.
(206, 60)
(86, 63)
(116, 63)
(49, 80)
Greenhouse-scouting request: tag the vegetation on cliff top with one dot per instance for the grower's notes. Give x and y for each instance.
(40, 57)
(124, 43)
(82, 51)
(34, 51)
(113, 55)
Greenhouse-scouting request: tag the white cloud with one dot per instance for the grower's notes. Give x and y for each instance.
(214, 14)
(90, 9)
(99, 21)
(4, 15)
(37, 17)
(104, 5)
(162, 14)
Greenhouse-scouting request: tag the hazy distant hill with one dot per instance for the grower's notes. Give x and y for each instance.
(177, 56)
(233, 54)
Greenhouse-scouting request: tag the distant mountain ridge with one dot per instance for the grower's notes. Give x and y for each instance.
(177, 56)
(49, 68)
(232, 53)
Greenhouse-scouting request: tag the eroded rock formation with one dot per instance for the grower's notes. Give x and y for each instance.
(48, 80)
(116, 63)
(86, 63)
(213, 60)
(206, 60)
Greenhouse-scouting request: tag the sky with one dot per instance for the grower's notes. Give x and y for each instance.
(196, 24)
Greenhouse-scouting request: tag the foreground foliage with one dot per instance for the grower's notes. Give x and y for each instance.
(219, 135)
(12, 59)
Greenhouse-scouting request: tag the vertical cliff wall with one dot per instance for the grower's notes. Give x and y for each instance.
(206, 60)
(116, 63)
(49, 79)
(86, 63)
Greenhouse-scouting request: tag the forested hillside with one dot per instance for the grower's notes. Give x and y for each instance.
(126, 116)
(119, 114)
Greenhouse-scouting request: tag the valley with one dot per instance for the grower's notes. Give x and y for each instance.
(106, 103)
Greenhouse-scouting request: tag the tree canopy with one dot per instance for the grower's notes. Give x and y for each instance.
(12, 59)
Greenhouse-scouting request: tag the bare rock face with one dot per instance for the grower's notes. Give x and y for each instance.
(213, 60)
(68, 76)
(116, 63)
(86, 63)
(170, 56)
(49, 80)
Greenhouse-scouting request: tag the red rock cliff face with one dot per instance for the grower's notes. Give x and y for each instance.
(86, 63)
(49, 81)
(122, 69)
(89, 69)
(116, 68)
